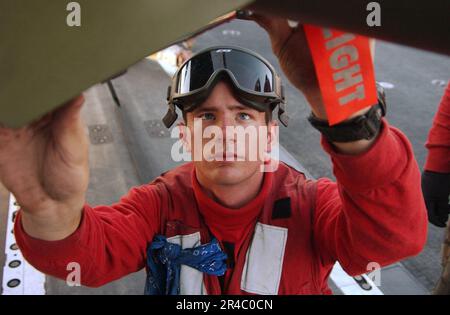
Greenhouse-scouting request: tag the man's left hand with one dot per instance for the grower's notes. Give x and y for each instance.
(290, 46)
(292, 50)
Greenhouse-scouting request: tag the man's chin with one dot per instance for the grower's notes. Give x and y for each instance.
(226, 173)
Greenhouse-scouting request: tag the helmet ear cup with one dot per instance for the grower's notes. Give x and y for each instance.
(282, 114)
(170, 117)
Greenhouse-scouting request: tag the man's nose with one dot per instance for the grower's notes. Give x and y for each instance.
(226, 122)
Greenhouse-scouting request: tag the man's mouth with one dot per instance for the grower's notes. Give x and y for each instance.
(227, 156)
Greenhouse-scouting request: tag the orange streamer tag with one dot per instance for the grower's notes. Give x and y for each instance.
(344, 69)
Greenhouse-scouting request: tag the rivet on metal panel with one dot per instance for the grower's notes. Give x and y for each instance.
(100, 134)
(155, 128)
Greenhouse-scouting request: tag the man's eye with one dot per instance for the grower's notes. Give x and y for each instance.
(244, 116)
(207, 116)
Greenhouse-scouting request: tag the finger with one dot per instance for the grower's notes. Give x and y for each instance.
(292, 23)
(69, 114)
(262, 21)
(8, 133)
(41, 123)
(3, 128)
(275, 26)
(5, 132)
(69, 134)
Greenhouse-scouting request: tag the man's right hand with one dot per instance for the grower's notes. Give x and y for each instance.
(436, 191)
(45, 165)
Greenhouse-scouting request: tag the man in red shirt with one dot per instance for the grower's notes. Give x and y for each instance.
(281, 232)
(436, 182)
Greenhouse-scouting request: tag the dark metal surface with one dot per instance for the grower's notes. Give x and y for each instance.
(421, 24)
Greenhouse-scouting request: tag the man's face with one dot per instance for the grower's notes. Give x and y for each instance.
(248, 135)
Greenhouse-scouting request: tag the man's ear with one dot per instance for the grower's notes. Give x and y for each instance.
(185, 135)
(272, 134)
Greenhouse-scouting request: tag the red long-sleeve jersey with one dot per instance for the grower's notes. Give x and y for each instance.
(438, 142)
(374, 212)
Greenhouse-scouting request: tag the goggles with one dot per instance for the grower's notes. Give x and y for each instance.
(255, 82)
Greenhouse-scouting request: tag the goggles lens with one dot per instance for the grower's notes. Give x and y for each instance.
(250, 72)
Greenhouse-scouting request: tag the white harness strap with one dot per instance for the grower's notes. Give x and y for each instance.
(191, 279)
(264, 260)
